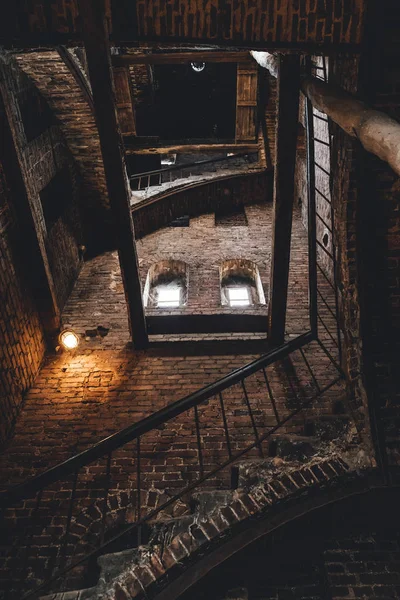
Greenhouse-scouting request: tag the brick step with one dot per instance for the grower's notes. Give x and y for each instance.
(125, 574)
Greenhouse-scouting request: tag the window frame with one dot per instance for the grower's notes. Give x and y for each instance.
(167, 304)
(238, 302)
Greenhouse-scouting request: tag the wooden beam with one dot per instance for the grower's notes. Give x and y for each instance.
(185, 324)
(285, 162)
(124, 100)
(95, 38)
(191, 148)
(171, 58)
(246, 102)
(377, 132)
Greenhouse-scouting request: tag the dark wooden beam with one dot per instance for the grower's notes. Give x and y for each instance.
(285, 161)
(95, 37)
(171, 58)
(124, 101)
(186, 324)
(132, 148)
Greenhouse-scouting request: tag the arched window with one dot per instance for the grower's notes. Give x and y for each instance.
(240, 283)
(166, 285)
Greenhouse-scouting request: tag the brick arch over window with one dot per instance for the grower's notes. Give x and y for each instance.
(163, 278)
(239, 273)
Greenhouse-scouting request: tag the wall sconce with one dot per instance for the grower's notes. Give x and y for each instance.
(198, 66)
(68, 339)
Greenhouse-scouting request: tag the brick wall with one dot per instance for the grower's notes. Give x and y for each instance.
(21, 339)
(242, 22)
(342, 188)
(248, 22)
(98, 298)
(346, 200)
(367, 205)
(159, 210)
(381, 237)
(43, 154)
(76, 121)
(82, 397)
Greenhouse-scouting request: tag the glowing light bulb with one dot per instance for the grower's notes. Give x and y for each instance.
(198, 66)
(69, 340)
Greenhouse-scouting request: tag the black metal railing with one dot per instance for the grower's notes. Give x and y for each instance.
(263, 397)
(142, 181)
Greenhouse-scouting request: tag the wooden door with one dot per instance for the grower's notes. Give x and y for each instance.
(123, 100)
(246, 102)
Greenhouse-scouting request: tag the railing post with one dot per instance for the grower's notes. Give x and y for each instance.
(311, 218)
(139, 490)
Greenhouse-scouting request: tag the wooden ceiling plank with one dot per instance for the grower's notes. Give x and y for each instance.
(169, 58)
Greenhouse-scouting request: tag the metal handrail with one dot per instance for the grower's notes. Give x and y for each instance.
(192, 164)
(132, 432)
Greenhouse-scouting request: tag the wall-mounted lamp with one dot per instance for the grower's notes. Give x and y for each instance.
(198, 66)
(68, 339)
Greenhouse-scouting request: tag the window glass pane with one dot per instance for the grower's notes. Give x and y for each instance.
(168, 297)
(238, 296)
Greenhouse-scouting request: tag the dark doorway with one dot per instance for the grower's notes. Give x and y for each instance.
(192, 105)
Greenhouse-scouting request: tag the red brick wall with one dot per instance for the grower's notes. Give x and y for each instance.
(381, 238)
(21, 339)
(368, 215)
(41, 159)
(346, 200)
(80, 398)
(250, 22)
(98, 297)
(243, 188)
(235, 21)
(342, 188)
(77, 124)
